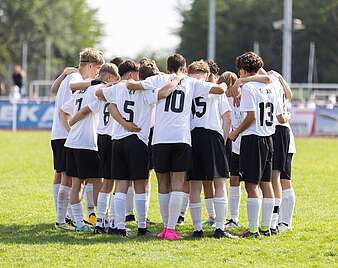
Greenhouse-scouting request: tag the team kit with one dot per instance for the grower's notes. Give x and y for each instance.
(196, 128)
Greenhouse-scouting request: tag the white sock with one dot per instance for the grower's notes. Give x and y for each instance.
(221, 205)
(163, 200)
(90, 198)
(148, 192)
(275, 214)
(196, 215)
(69, 213)
(267, 210)
(185, 205)
(62, 203)
(112, 212)
(235, 199)
(209, 204)
(174, 207)
(130, 201)
(55, 194)
(102, 207)
(78, 214)
(287, 206)
(254, 207)
(141, 207)
(120, 210)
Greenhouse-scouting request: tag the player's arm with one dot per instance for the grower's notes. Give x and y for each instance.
(248, 120)
(226, 118)
(283, 118)
(134, 85)
(79, 115)
(234, 90)
(64, 117)
(167, 89)
(218, 88)
(285, 85)
(82, 85)
(57, 82)
(130, 126)
(99, 94)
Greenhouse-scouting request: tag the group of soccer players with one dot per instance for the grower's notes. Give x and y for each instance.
(114, 122)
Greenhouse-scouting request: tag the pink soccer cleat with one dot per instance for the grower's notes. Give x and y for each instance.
(171, 234)
(162, 234)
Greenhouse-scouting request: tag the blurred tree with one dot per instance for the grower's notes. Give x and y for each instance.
(67, 25)
(240, 23)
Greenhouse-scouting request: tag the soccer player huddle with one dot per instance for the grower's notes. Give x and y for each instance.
(114, 122)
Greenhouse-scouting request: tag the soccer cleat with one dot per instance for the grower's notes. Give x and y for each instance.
(180, 220)
(171, 234)
(162, 233)
(248, 234)
(274, 231)
(99, 230)
(85, 229)
(209, 222)
(219, 233)
(70, 221)
(122, 232)
(231, 223)
(64, 226)
(112, 231)
(283, 227)
(228, 235)
(265, 232)
(197, 234)
(130, 217)
(143, 232)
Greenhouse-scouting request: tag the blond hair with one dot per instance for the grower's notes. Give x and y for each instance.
(109, 68)
(227, 77)
(198, 67)
(91, 55)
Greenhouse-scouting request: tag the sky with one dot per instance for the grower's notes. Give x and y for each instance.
(132, 27)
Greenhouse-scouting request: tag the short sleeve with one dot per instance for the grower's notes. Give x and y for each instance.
(150, 96)
(200, 88)
(247, 100)
(75, 77)
(223, 104)
(110, 94)
(279, 105)
(151, 82)
(68, 106)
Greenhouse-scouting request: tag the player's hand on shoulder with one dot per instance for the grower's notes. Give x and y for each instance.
(131, 127)
(70, 70)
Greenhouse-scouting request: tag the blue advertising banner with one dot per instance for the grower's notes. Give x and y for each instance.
(327, 121)
(29, 114)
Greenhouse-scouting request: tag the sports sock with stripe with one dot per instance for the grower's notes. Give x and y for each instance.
(102, 207)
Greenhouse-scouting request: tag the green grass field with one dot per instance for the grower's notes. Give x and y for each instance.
(28, 237)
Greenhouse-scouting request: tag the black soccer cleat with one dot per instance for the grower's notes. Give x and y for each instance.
(122, 232)
(99, 230)
(112, 231)
(231, 223)
(130, 217)
(219, 233)
(197, 234)
(274, 231)
(143, 232)
(265, 232)
(180, 220)
(248, 234)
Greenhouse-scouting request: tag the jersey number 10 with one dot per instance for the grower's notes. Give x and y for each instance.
(171, 101)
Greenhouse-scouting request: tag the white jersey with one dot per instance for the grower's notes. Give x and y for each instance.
(237, 118)
(207, 112)
(134, 106)
(263, 100)
(172, 117)
(82, 134)
(106, 121)
(63, 95)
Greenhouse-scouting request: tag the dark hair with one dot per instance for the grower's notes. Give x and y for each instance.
(175, 62)
(128, 66)
(214, 69)
(117, 61)
(250, 62)
(148, 69)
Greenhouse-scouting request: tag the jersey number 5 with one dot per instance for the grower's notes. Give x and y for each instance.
(269, 111)
(129, 111)
(198, 102)
(171, 101)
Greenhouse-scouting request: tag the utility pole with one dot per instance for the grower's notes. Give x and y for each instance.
(212, 30)
(287, 40)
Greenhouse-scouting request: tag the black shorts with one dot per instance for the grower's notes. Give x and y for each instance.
(172, 157)
(234, 164)
(228, 150)
(281, 142)
(82, 163)
(129, 159)
(255, 160)
(104, 144)
(208, 155)
(286, 174)
(150, 149)
(59, 155)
